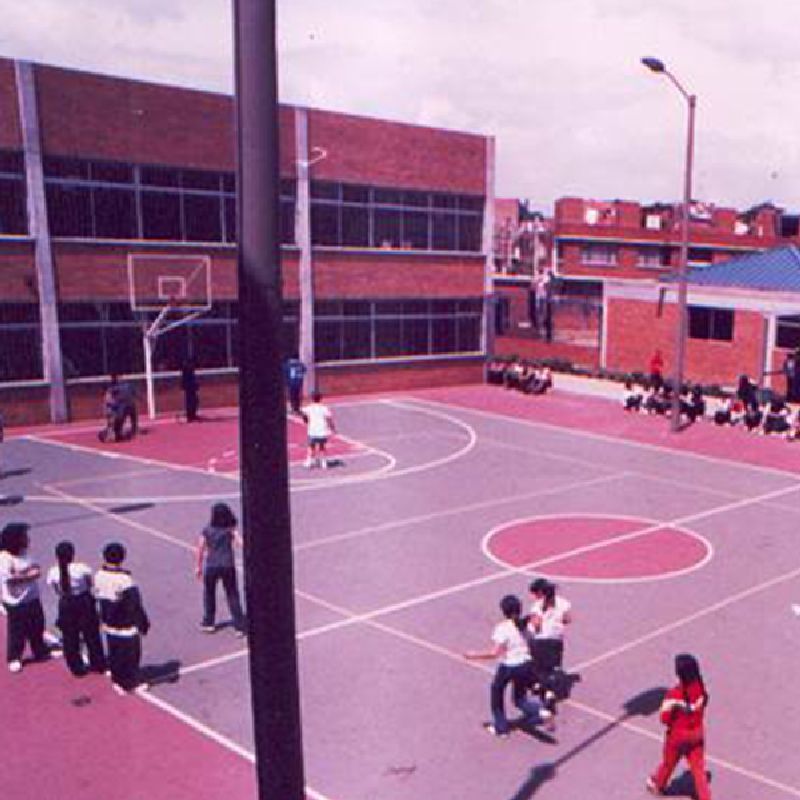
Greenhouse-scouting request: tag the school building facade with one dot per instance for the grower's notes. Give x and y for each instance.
(385, 227)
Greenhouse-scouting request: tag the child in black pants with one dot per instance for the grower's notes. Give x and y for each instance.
(123, 616)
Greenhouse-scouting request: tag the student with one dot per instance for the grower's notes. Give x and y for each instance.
(295, 371)
(319, 420)
(215, 562)
(632, 397)
(656, 370)
(515, 667)
(112, 414)
(123, 616)
(542, 380)
(77, 614)
(549, 615)
(776, 420)
(19, 592)
(191, 391)
(794, 430)
(753, 417)
(697, 404)
(683, 711)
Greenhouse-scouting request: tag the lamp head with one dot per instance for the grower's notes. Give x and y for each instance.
(654, 64)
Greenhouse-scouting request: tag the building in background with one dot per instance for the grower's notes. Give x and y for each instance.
(385, 255)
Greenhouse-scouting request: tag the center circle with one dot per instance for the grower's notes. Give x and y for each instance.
(597, 548)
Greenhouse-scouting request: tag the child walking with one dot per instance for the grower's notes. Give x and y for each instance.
(215, 563)
(123, 616)
(514, 667)
(77, 613)
(320, 423)
(19, 591)
(683, 711)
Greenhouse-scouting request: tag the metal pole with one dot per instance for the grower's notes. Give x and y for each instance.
(683, 267)
(264, 469)
(148, 375)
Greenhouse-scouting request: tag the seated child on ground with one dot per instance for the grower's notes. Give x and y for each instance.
(632, 397)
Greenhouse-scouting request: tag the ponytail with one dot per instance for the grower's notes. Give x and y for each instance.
(687, 669)
(65, 552)
(512, 609)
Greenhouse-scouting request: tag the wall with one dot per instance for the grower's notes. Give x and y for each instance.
(536, 349)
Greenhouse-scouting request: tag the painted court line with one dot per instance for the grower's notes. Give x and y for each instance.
(604, 437)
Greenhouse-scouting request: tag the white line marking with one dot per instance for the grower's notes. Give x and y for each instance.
(604, 438)
(652, 527)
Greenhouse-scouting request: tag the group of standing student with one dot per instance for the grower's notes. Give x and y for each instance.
(528, 650)
(108, 600)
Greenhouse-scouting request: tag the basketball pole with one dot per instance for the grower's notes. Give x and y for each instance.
(268, 564)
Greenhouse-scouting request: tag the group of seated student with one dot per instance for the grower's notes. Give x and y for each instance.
(522, 375)
(743, 408)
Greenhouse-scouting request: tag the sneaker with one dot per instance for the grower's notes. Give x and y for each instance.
(651, 787)
(308, 463)
(208, 628)
(492, 731)
(324, 463)
(15, 666)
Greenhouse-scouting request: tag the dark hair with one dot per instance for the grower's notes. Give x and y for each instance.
(687, 669)
(316, 397)
(512, 609)
(14, 538)
(65, 552)
(114, 553)
(544, 587)
(538, 585)
(222, 516)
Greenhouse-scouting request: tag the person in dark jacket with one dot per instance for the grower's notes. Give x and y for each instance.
(215, 563)
(683, 712)
(191, 391)
(77, 612)
(295, 371)
(123, 616)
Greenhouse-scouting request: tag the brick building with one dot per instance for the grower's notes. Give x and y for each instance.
(385, 253)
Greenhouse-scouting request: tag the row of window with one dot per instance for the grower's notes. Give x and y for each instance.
(607, 255)
(101, 338)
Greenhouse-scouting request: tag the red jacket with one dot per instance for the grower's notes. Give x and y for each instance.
(677, 716)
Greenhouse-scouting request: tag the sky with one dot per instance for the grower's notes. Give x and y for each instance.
(558, 83)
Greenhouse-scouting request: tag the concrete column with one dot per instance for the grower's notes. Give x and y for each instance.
(604, 328)
(487, 327)
(302, 234)
(770, 334)
(40, 231)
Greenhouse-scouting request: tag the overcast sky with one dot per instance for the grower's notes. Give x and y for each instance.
(558, 82)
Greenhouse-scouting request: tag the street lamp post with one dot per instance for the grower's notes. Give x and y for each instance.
(655, 65)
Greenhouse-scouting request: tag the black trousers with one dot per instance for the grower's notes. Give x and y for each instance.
(227, 575)
(78, 621)
(295, 394)
(25, 624)
(548, 655)
(124, 657)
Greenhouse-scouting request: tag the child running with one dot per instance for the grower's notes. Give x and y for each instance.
(215, 562)
(19, 591)
(682, 711)
(514, 667)
(123, 617)
(321, 427)
(77, 613)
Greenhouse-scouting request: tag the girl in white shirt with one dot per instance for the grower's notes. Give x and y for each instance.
(550, 614)
(515, 667)
(77, 612)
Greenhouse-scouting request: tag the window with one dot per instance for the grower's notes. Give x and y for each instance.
(20, 344)
(161, 215)
(387, 228)
(787, 333)
(700, 257)
(710, 323)
(599, 255)
(203, 217)
(325, 224)
(13, 214)
(69, 210)
(115, 214)
(653, 257)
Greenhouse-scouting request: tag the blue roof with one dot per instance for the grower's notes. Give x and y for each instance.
(776, 270)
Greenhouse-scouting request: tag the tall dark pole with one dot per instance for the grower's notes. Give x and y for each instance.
(681, 324)
(265, 487)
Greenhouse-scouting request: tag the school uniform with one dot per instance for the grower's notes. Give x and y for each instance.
(124, 622)
(24, 612)
(548, 641)
(219, 566)
(685, 737)
(515, 667)
(77, 618)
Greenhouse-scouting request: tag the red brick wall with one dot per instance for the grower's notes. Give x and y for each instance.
(506, 210)
(385, 274)
(635, 331)
(533, 349)
(83, 114)
(10, 134)
(29, 405)
(18, 272)
(365, 150)
(398, 377)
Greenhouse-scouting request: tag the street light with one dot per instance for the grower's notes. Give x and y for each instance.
(657, 66)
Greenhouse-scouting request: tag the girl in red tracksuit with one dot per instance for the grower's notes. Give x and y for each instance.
(682, 712)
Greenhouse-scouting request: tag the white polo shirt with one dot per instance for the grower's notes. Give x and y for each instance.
(80, 578)
(516, 644)
(553, 619)
(318, 416)
(19, 593)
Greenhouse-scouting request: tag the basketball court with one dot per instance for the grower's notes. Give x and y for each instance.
(439, 503)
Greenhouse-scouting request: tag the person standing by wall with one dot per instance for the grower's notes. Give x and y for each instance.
(191, 390)
(656, 370)
(215, 563)
(77, 613)
(295, 375)
(19, 592)
(683, 712)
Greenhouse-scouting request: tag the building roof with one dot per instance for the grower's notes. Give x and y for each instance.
(776, 270)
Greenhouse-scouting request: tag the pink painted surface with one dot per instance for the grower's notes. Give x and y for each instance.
(75, 738)
(657, 552)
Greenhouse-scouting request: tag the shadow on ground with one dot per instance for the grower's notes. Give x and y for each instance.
(644, 704)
